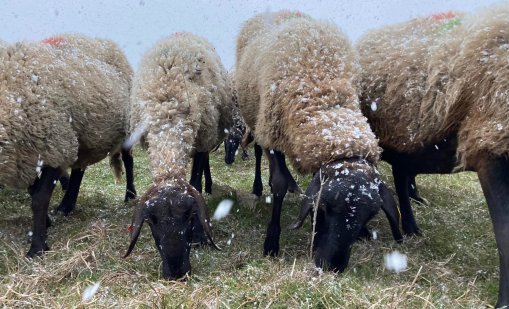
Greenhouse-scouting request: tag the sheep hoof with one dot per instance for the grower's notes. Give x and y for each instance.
(270, 249)
(65, 209)
(414, 231)
(34, 251)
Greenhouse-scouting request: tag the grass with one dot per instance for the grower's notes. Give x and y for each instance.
(454, 264)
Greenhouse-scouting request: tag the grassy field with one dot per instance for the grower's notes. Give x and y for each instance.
(454, 264)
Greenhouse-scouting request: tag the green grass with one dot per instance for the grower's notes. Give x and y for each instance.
(454, 264)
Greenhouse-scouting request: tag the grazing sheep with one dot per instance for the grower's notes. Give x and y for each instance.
(295, 91)
(436, 92)
(181, 105)
(59, 107)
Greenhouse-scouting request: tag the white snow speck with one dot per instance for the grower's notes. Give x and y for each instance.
(229, 242)
(89, 292)
(436, 147)
(271, 151)
(395, 261)
(226, 131)
(268, 199)
(374, 107)
(70, 119)
(30, 233)
(499, 127)
(35, 78)
(375, 235)
(223, 209)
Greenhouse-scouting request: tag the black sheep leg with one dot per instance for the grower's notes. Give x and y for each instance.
(64, 180)
(494, 178)
(71, 195)
(401, 181)
(257, 183)
(197, 170)
(206, 173)
(413, 192)
(41, 195)
(130, 191)
(279, 186)
(199, 236)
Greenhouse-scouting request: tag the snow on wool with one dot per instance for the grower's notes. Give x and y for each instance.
(395, 261)
(222, 209)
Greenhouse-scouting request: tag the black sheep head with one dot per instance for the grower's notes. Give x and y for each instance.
(350, 193)
(170, 209)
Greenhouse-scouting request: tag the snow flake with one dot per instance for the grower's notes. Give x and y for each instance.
(90, 291)
(395, 261)
(374, 107)
(223, 209)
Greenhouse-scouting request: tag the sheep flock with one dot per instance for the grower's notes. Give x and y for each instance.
(428, 96)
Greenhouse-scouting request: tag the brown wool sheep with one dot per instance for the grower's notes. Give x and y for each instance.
(59, 107)
(295, 89)
(436, 93)
(181, 106)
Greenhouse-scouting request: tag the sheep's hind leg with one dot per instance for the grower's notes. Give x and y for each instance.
(494, 177)
(279, 186)
(257, 183)
(206, 173)
(197, 170)
(71, 195)
(401, 181)
(41, 195)
(130, 191)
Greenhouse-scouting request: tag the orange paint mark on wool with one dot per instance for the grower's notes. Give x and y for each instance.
(181, 33)
(53, 40)
(446, 15)
(290, 14)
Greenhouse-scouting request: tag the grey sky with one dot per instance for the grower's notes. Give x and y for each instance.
(137, 24)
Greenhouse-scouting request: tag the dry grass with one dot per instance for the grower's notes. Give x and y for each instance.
(453, 265)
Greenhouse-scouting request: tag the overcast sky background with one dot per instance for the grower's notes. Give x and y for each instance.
(137, 24)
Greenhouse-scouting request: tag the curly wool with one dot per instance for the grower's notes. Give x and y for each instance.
(183, 96)
(431, 78)
(57, 108)
(295, 90)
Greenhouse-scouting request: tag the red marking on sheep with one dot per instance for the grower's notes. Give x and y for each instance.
(53, 40)
(446, 15)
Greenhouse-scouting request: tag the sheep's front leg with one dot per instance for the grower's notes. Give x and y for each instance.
(41, 195)
(279, 186)
(401, 181)
(71, 195)
(130, 191)
(494, 177)
(257, 183)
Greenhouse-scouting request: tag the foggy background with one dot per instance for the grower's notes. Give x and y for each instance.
(137, 24)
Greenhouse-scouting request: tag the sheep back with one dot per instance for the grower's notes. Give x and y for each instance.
(263, 22)
(400, 87)
(58, 108)
(182, 93)
(432, 77)
(296, 92)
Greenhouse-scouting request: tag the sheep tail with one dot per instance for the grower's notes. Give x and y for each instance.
(116, 166)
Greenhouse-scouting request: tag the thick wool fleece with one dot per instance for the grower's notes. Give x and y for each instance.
(295, 90)
(261, 23)
(433, 77)
(183, 96)
(57, 108)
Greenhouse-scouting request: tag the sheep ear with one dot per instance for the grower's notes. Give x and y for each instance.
(138, 220)
(202, 213)
(307, 202)
(391, 211)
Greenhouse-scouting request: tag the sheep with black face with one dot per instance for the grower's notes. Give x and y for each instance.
(181, 106)
(295, 89)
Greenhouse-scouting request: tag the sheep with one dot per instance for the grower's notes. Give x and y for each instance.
(439, 90)
(60, 108)
(295, 90)
(181, 106)
(110, 54)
